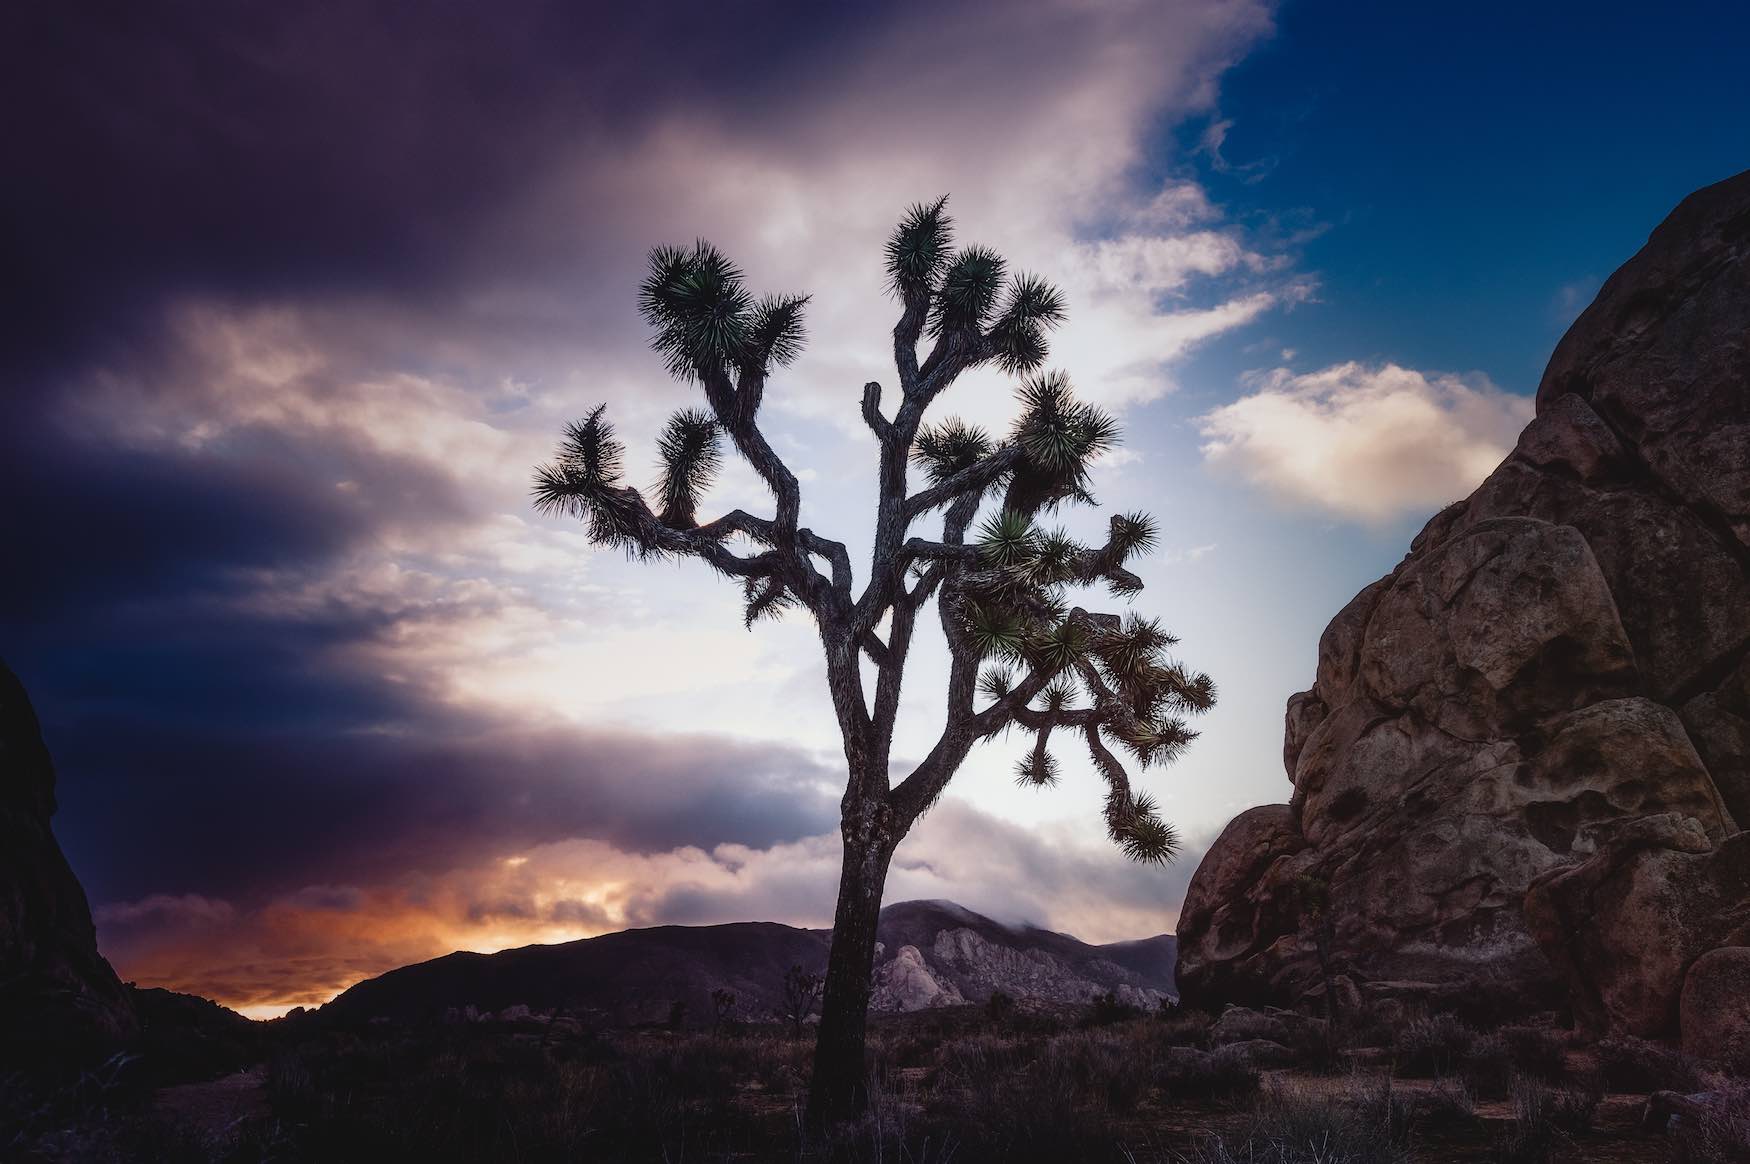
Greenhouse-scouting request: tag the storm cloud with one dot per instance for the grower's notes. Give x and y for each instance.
(297, 294)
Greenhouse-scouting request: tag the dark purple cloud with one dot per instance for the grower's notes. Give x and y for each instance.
(460, 194)
(267, 149)
(240, 769)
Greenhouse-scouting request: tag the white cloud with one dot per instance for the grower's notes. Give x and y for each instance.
(1365, 442)
(1188, 555)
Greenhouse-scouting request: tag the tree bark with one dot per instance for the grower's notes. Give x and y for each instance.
(840, 1086)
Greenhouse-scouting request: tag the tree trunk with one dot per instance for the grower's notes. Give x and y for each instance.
(839, 1089)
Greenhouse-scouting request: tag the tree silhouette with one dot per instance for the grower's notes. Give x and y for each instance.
(802, 990)
(1002, 589)
(722, 1009)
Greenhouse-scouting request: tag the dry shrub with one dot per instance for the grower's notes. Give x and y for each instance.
(1436, 1046)
(1641, 1066)
(1545, 1121)
(1023, 1102)
(1184, 1028)
(1722, 1136)
(1106, 1009)
(1537, 1051)
(1447, 1105)
(1487, 1068)
(1368, 1125)
(1355, 1029)
(1222, 1074)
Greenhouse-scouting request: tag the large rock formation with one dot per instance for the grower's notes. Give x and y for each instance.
(60, 1003)
(906, 983)
(1550, 693)
(1627, 928)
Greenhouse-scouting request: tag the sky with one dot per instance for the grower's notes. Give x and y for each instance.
(298, 295)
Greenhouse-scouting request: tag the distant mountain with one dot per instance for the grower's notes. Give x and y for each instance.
(958, 952)
(933, 953)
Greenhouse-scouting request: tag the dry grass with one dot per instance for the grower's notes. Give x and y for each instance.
(1547, 1122)
(1368, 1123)
(1636, 1065)
(963, 1086)
(1723, 1135)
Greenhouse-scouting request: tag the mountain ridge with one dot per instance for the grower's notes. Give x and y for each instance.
(637, 976)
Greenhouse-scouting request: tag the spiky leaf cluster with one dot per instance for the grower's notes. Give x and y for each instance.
(967, 296)
(691, 454)
(1135, 823)
(918, 250)
(764, 598)
(968, 292)
(583, 481)
(1015, 611)
(1150, 692)
(996, 682)
(1059, 695)
(1007, 539)
(944, 449)
(1032, 308)
(1037, 769)
(1060, 436)
(1013, 604)
(706, 321)
(776, 333)
(1132, 533)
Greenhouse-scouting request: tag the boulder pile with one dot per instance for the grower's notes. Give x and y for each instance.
(1521, 773)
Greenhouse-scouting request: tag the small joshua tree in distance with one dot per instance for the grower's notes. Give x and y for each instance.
(1021, 655)
(722, 1009)
(802, 989)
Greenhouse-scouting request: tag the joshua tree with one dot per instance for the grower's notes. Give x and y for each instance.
(802, 990)
(722, 1008)
(1002, 589)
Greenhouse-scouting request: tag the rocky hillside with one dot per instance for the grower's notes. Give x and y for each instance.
(1521, 773)
(933, 953)
(60, 1002)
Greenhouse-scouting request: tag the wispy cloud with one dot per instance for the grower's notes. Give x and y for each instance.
(1364, 442)
(302, 947)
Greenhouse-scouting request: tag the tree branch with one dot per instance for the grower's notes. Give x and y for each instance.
(837, 557)
(878, 651)
(1014, 705)
(973, 478)
(877, 423)
(736, 415)
(925, 585)
(917, 549)
(920, 789)
(703, 542)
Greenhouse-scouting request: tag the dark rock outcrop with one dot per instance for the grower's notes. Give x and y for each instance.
(1715, 1007)
(184, 1038)
(61, 1004)
(1625, 927)
(1551, 693)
